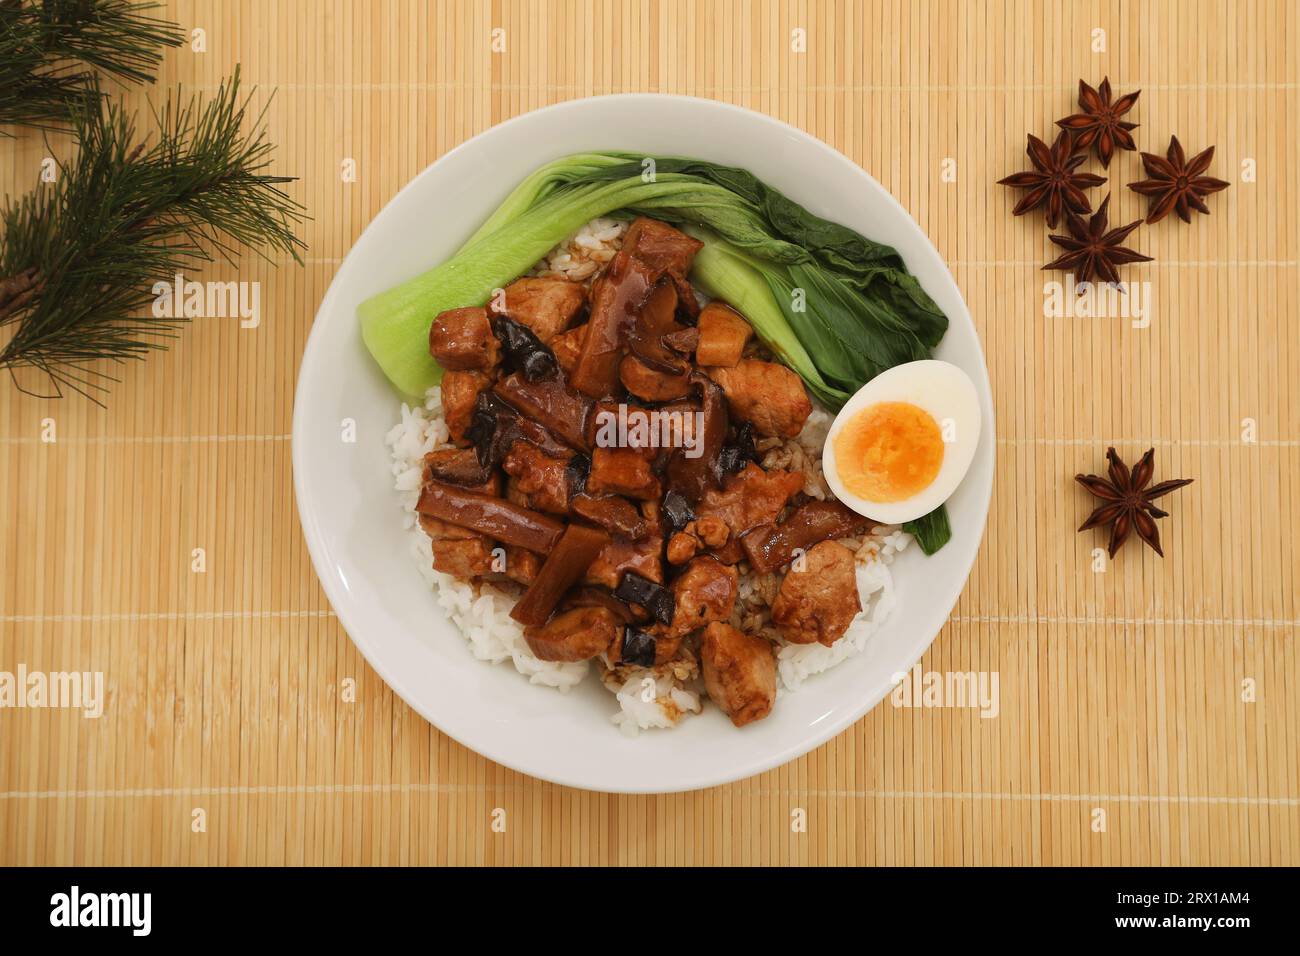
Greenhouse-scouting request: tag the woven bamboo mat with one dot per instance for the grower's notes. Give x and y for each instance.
(1148, 714)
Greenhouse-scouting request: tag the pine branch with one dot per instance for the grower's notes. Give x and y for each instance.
(78, 258)
(50, 50)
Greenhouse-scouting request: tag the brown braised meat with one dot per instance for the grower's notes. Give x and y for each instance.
(818, 597)
(458, 551)
(770, 546)
(667, 251)
(567, 346)
(723, 335)
(462, 339)
(709, 532)
(574, 635)
(739, 673)
(767, 394)
(706, 591)
(547, 306)
(644, 556)
(749, 498)
(545, 480)
(460, 391)
(623, 471)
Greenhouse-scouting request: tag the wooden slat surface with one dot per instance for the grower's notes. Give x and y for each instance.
(1120, 691)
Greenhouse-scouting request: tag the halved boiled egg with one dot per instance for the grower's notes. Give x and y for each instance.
(900, 447)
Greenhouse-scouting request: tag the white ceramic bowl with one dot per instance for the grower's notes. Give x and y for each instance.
(352, 520)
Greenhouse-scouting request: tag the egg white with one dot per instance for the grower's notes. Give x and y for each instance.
(945, 392)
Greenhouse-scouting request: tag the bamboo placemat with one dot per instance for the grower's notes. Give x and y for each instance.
(1148, 714)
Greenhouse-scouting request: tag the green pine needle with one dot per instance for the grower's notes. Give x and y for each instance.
(50, 51)
(78, 257)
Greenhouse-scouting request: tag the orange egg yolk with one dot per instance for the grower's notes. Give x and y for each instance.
(888, 452)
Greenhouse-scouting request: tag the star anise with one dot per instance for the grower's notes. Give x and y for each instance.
(1091, 250)
(1127, 501)
(1052, 182)
(1100, 121)
(1177, 184)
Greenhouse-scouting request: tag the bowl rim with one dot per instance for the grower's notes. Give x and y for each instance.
(369, 649)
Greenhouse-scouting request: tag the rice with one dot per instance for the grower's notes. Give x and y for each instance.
(583, 254)
(661, 696)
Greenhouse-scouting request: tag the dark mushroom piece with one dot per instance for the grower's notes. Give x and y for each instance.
(564, 567)
(656, 319)
(575, 635)
(733, 456)
(639, 647)
(768, 547)
(523, 351)
(677, 512)
(655, 598)
(497, 518)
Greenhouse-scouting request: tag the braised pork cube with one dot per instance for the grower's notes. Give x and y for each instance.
(661, 247)
(567, 346)
(521, 564)
(643, 556)
(747, 499)
(623, 471)
(457, 551)
(705, 591)
(459, 393)
(575, 635)
(766, 394)
(739, 673)
(723, 335)
(462, 339)
(819, 596)
(545, 480)
(548, 306)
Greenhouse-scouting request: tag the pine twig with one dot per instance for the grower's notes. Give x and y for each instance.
(50, 51)
(78, 257)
